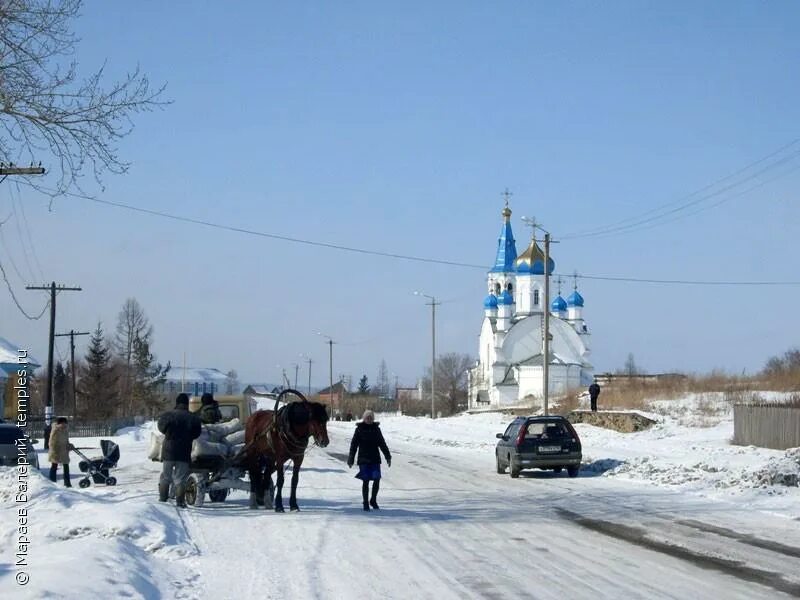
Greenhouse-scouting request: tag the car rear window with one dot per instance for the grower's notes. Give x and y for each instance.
(547, 430)
(9, 435)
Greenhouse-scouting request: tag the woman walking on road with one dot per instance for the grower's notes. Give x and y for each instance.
(58, 451)
(367, 440)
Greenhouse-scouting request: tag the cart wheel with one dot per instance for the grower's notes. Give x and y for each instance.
(195, 494)
(84, 483)
(111, 481)
(218, 495)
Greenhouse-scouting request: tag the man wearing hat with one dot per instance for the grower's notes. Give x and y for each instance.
(180, 429)
(209, 410)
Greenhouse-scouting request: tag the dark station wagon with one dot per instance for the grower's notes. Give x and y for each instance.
(538, 443)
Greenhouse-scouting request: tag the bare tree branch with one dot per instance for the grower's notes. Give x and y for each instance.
(46, 112)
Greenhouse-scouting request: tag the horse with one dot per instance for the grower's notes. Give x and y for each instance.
(274, 437)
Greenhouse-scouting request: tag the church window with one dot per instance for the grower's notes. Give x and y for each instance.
(497, 289)
(536, 297)
(510, 288)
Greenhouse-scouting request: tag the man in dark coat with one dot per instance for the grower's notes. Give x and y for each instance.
(209, 410)
(180, 429)
(367, 440)
(594, 392)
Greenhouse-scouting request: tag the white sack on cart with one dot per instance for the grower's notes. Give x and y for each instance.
(156, 442)
(217, 431)
(235, 438)
(236, 449)
(201, 447)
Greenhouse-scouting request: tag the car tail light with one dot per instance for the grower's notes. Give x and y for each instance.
(521, 435)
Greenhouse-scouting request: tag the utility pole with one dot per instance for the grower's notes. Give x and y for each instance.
(296, 370)
(433, 304)
(48, 409)
(546, 369)
(309, 361)
(330, 368)
(72, 333)
(10, 169)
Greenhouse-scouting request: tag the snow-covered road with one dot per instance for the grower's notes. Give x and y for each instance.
(449, 527)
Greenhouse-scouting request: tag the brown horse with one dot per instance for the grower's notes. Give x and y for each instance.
(274, 437)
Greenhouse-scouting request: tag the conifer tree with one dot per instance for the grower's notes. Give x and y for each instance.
(97, 393)
(148, 379)
(363, 386)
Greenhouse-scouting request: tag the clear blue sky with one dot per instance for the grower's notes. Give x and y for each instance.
(397, 129)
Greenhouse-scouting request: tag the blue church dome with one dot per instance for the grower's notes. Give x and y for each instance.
(538, 267)
(490, 301)
(575, 299)
(524, 268)
(506, 298)
(558, 304)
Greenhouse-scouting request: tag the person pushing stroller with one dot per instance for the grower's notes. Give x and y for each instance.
(367, 439)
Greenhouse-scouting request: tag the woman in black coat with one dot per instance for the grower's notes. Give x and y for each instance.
(367, 440)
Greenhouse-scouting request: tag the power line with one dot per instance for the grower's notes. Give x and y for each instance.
(8, 254)
(682, 203)
(31, 272)
(381, 253)
(14, 298)
(685, 281)
(699, 209)
(27, 229)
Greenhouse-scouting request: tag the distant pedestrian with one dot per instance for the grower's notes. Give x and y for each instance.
(180, 429)
(367, 440)
(594, 392)
(58, 450)
(209, 410)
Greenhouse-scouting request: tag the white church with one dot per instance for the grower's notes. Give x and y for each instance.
(509, 371)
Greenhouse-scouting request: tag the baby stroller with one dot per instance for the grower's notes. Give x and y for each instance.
(97, 468)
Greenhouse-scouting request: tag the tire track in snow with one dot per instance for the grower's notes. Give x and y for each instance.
(640, 537)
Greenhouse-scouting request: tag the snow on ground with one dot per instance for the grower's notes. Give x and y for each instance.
(674, 511)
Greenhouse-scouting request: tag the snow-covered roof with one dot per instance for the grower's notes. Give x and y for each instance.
(258, 389)
(195, 374)
(9, 354)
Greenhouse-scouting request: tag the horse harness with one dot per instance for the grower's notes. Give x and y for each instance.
(281, 426)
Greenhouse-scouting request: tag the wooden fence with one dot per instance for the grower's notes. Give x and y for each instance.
(80, 428)
(766, 425)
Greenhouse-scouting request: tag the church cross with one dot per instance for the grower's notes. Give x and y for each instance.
(559, 281)
(531, 222)
(575, 277)
(507, 195)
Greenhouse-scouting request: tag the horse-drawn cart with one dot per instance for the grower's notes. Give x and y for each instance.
(217, 477)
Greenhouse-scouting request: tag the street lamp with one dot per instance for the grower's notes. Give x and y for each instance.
(330, 343)
(309, 361)
(433, 304)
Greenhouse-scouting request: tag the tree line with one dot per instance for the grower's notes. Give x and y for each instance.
(119, 376)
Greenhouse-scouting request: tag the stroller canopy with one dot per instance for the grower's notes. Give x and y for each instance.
(110, 451)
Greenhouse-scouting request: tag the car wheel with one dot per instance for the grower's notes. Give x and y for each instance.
(573, 471)
(500, 468)
(513, 469)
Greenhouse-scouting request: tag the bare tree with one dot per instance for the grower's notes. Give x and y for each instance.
(231, 382)
(451, 381)
(630, 368)
(382, 380)
(46, 111)
(132, 325)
